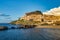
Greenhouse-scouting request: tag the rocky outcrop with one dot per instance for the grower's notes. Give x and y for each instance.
(3, 28)
(26, 26)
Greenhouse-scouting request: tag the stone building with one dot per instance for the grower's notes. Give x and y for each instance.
(50, 19)
(33, 16)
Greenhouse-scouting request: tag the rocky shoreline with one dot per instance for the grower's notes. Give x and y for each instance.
(26, 26)
(30, 26)
(18, 27)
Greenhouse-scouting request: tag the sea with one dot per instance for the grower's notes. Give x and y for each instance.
(29, 34)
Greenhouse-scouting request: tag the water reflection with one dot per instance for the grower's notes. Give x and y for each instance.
(30, 34)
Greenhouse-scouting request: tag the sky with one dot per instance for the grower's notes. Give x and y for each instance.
(13, 9)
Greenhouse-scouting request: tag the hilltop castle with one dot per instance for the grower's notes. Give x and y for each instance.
(40, 17)
(33, 16)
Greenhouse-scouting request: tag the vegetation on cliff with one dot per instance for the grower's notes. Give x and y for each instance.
(13, 22)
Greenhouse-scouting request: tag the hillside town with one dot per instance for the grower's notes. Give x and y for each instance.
(38, 18)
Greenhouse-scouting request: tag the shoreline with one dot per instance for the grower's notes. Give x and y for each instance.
(32, 26)
(48, 26)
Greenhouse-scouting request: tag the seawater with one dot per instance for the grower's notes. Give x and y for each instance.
(29, 34)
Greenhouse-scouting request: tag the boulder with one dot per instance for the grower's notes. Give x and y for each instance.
(13, 28)
(3, 28)
(20, 26)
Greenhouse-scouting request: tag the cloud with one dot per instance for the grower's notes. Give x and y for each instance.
(4, 15)
(53, 11)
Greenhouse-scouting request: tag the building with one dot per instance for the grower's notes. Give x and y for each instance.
(38, 16)
(33, 16)
(50, 19)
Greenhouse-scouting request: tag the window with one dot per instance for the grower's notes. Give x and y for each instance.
(30, 19)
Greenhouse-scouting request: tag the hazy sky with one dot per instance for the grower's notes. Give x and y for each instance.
(13, 9)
